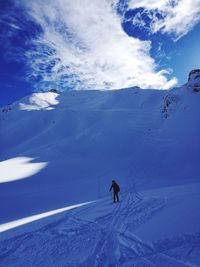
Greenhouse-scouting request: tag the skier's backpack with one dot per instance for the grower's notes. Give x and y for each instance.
(118, 188)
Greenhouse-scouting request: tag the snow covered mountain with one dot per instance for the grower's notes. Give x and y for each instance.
(64, 149)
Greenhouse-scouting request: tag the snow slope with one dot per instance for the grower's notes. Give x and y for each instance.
(59, 150)
(75, 143)
(138, 231)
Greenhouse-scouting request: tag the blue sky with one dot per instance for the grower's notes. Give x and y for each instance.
(85, 44)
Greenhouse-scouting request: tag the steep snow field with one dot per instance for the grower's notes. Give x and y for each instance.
(59, 150)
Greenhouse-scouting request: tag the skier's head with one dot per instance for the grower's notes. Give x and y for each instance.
(113, 182)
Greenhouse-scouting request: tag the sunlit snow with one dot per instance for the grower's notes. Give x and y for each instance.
(19, 168)
(13, 224)
(40, 101)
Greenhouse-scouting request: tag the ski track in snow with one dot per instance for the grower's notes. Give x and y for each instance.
(100, 234)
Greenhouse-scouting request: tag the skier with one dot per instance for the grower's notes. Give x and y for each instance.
(116, 190)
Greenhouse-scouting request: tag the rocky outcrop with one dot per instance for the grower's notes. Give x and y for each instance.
(194, 80)
(6, 108)
(54, 91)
(169, 103)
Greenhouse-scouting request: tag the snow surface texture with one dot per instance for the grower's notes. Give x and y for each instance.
(77, 143)
(134, 232)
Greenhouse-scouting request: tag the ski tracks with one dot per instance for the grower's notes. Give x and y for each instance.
(115, 245)
(99, 235)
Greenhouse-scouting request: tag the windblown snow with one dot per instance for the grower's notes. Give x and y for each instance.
(59, 153)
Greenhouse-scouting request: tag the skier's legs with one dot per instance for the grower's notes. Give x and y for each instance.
(117, 196)
(114, 197)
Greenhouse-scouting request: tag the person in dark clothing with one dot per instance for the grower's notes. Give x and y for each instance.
(116, 190)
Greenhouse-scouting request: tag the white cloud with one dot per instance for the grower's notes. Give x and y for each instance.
(179, 16)
(148, 4)
(84, 45)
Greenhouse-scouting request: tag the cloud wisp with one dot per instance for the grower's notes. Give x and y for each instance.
(83, 46)
(177, 17)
